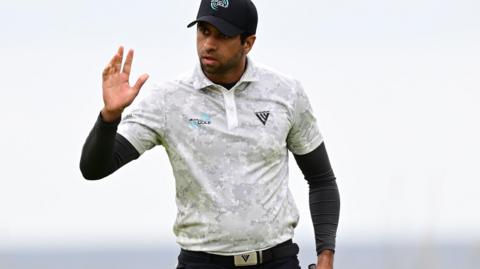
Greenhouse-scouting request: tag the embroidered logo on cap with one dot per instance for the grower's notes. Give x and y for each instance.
(219, 3)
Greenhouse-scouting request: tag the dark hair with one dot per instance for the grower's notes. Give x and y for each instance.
(243, 37)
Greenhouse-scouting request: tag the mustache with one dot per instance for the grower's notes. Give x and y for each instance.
(209, 55)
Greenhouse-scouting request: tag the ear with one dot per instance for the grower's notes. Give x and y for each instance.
(247, 46)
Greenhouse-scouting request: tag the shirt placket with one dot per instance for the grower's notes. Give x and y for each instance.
(230, 107)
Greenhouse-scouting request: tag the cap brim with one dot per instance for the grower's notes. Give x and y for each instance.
(223, 26)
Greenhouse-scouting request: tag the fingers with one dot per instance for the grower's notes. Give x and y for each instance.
(128, 63)
(114, 65)
(140, 81)
(109, 69)
(105, 73)
(117, 64)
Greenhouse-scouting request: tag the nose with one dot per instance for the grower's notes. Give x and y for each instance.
(210, 43)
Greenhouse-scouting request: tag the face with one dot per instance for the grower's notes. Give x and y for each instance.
(220, 55)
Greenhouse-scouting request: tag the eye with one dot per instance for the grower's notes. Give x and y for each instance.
(204, 30)
(226, 37)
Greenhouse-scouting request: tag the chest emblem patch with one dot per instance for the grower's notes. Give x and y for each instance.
(204, 119)
(263, 116)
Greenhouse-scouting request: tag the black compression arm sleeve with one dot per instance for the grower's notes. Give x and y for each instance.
(324, 198)
(105, 151)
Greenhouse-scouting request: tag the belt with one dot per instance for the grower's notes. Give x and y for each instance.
(285, 249)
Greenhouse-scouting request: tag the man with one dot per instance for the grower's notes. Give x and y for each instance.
(227, 128)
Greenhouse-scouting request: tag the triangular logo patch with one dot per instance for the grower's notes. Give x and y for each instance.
(245, 257)
(263, 116)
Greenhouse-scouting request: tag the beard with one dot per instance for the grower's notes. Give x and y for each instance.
(222, 66)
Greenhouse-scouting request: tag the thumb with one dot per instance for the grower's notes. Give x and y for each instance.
(140, 81)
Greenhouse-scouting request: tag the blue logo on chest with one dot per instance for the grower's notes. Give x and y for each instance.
(196, 123)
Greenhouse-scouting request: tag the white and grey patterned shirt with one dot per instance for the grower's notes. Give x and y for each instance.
(229, 154)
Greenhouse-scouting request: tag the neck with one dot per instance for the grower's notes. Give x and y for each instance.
(231, 76)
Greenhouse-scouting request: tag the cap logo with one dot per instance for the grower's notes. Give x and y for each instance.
(219, 3)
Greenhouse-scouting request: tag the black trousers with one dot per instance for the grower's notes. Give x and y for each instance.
(192, 260)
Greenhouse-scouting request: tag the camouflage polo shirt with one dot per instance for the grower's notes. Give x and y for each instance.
(229, 154)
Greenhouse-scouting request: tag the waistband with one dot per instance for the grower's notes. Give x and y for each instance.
(285, 249)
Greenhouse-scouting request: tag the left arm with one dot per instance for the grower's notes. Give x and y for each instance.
(324, 202)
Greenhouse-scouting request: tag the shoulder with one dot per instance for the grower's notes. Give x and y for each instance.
(267, 74)
(271, 78)
(167, 87)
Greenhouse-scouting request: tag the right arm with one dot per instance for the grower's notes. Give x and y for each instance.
(104, 150)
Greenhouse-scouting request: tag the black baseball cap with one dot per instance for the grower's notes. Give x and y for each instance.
(231, 17)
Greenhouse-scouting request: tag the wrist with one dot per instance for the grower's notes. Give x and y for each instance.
(109, 116)
(325, 258)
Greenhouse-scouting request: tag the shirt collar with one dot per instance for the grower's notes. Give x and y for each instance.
(200, 81)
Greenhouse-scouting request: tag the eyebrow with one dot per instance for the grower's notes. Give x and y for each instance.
(201, 24)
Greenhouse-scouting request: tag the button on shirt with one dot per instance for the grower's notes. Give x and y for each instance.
(229, 154)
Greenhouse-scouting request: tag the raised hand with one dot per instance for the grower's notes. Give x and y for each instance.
(117, 92)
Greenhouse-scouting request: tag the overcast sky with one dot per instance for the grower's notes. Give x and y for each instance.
(395, 87)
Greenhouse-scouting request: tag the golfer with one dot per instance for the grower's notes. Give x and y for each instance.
(227, 126)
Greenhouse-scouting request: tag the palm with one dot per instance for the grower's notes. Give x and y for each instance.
(117, 92)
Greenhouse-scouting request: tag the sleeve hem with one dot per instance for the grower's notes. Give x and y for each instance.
(108, 125)
(135, 143)
(326, 247)
(317, 141)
